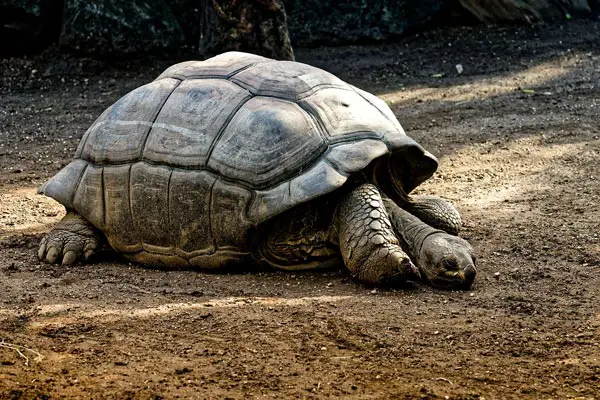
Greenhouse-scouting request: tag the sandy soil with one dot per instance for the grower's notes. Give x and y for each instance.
(517, 134)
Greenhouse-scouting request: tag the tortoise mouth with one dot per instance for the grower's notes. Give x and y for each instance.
(454, 279)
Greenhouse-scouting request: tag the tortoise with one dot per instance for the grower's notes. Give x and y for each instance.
(240, 158)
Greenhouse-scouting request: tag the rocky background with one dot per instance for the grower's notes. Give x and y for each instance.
(116, 28)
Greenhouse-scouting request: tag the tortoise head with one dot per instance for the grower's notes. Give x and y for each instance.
(447, 261)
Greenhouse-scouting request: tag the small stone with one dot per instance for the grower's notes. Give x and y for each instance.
(496, 275)
(374, 204)
(184, 370)
(323, 348)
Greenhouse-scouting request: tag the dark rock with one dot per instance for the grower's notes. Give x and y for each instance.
(28, 25)
(494, 11)
(114, 27)
(324, 22)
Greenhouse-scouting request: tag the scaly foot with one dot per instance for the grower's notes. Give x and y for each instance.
(369, 247)
(71, 240)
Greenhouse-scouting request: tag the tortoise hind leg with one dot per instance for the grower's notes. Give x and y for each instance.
(369, 247)
(71, 240)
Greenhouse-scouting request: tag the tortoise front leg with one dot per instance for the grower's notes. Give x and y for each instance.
(445, 261)
(72, 239)
(369, 247)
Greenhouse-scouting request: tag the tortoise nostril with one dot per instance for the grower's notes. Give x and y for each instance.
(451, 264)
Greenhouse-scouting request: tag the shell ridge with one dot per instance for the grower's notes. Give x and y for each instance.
(133, 220)
(83, 142)
(238, 84)
(169, 221)
(237, 71)
(314, 89)
(191, 77)
(179, 76)
(211, 76)
(335, 166)
(210, 212)
(371, 103)
(357, 135)
(286, 95)
(130, 197)
(211, 171)
(321, 129)
(103, 221)
(143, 146)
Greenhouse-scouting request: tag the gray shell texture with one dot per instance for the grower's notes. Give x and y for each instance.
(230, 141)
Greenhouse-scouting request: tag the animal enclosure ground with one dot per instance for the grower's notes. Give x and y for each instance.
(518, 138)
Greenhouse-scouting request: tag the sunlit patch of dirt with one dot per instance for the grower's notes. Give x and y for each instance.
(525, 81)
(23, 210)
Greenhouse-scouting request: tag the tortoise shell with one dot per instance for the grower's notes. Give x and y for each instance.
(185, 166)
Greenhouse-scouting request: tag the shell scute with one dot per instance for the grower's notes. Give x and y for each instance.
(118, 218)
(119, 134)
(190, 121)
(265, 141)
(89, 196)
(344, 112)
(149, 191)
(190, 194)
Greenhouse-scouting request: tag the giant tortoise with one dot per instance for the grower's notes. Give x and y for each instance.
(240, 158)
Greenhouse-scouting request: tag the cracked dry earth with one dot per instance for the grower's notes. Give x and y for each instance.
(517, 135)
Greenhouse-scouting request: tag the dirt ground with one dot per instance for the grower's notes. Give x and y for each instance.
(517, 135)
